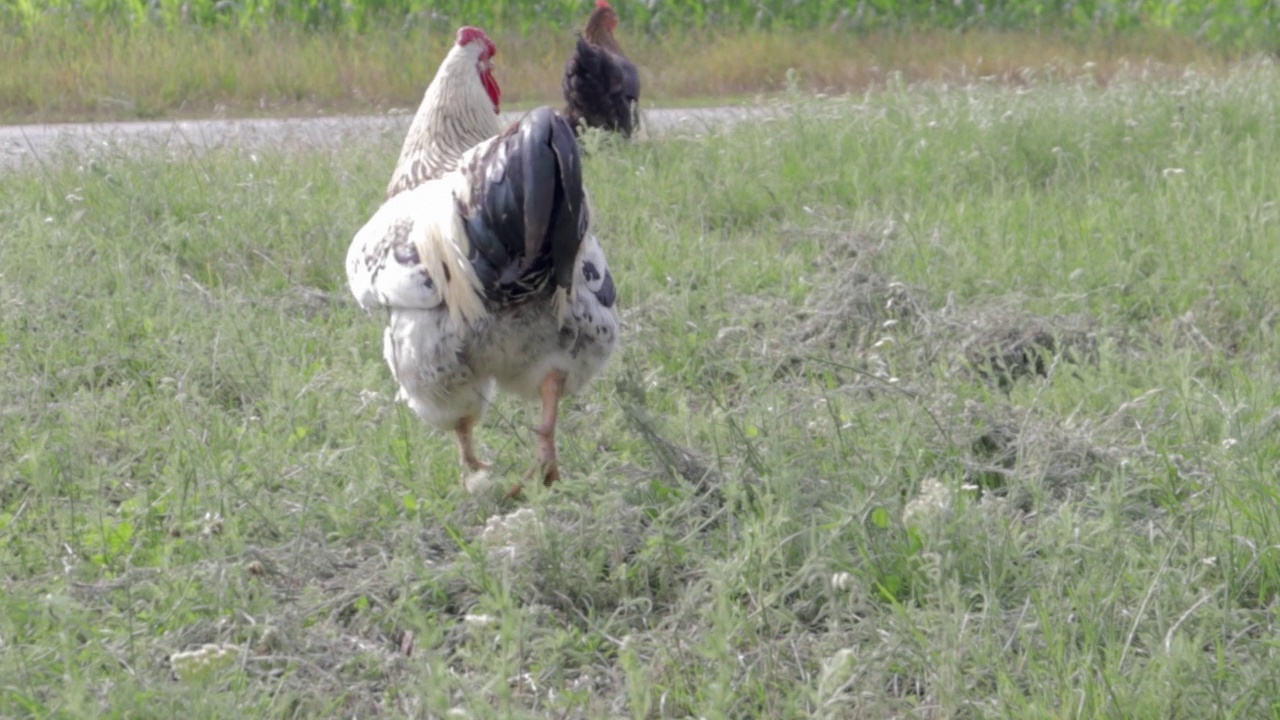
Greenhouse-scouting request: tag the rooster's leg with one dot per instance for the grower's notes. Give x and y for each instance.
(552, 387)
(466, 447)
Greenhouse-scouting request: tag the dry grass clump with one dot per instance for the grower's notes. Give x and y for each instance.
(677, 462)
(1005, 442)
(333, 630)
(1228, 327)
(1004, 349)
(851, 305)
(356, 613)
(1001, 343)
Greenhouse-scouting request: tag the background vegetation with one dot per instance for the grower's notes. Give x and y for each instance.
(107, 59)
(1238, 22)
(973, 416)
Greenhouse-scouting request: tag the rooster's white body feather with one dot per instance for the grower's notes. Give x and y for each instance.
(450, 338)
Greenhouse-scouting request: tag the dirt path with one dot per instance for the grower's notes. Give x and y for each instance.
(24, 144)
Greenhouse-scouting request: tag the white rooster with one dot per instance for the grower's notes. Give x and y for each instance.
(454, 115)
(490, 271)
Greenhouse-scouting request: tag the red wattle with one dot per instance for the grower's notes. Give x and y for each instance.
(491, 87)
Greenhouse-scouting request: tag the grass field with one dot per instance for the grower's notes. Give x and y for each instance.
(943, 401)
(111, 60)
(105, 73)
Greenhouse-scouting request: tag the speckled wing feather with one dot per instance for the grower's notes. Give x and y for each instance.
(413, 254)
(506, 226)
(596, 278)
(384, 267)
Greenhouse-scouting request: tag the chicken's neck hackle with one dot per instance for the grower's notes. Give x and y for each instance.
(599, 29)
(456, 114)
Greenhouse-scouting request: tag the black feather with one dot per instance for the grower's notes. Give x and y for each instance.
(600, 89)
(527, 215)
(607, 294)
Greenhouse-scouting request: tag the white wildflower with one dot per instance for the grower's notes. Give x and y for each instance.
(211, 524)
(196, 663)
(933, 500)
(478, 482)
(836, 672)
(505, 536)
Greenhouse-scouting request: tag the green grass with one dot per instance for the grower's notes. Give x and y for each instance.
(1228, 22)
(109, 72)
(942, 401)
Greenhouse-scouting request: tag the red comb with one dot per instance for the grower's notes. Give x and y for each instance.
(468, 35)
(603, 4)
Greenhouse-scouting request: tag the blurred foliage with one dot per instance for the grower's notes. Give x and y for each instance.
(1239, 23)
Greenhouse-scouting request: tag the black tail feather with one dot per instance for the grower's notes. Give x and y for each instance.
(527, 215)
(540, 183)
(571, 209)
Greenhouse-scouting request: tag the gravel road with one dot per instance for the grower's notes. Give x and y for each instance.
(23, 144)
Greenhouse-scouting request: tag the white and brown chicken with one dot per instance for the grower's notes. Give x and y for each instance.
(485, 258)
